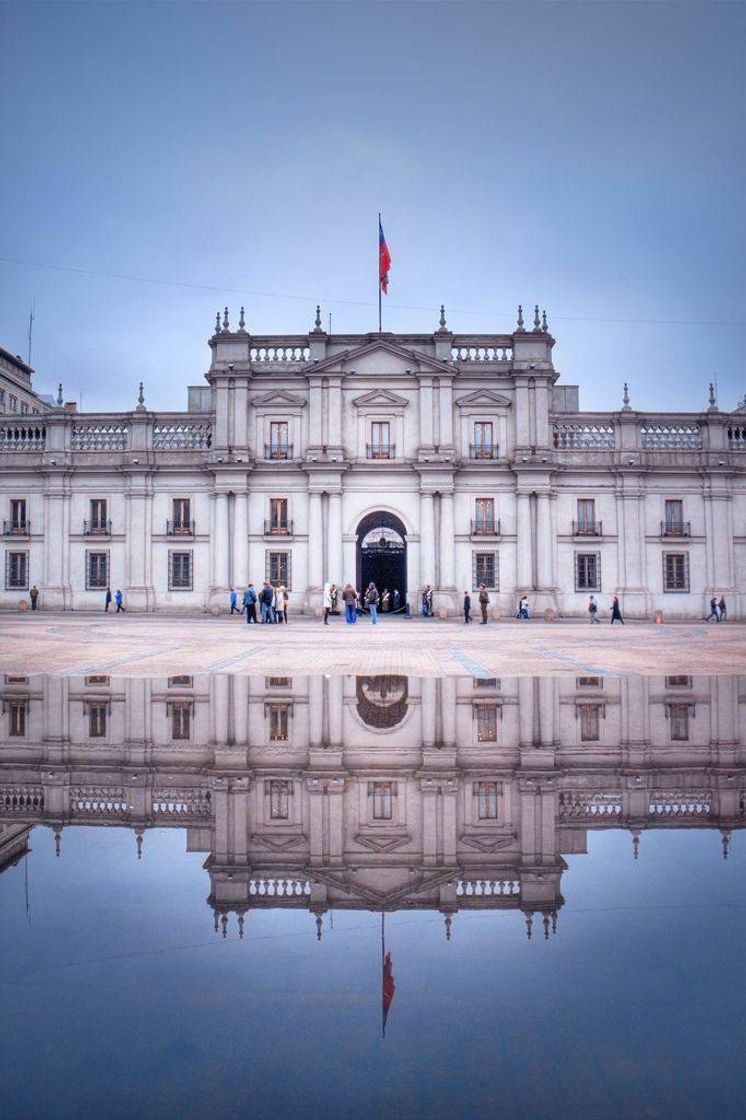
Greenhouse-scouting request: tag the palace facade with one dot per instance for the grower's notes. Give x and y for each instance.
(413, 460)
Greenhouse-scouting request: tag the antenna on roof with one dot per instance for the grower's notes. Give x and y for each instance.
(31, 317)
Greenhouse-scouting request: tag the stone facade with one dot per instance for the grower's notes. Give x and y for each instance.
(420, 459)
(17, 396)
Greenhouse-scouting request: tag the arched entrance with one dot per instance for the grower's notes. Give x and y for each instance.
(382, 555)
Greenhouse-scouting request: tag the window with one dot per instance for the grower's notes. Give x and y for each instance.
(679, 681)
(99, 522)
(678, 715)
(484, 515)
(485, 716)
(91, 682)
(278, 722)
(383, 794)
(15, 680)
(675, 571)
(278, 682)
(587, 571)
(279, 446)
(483, 441)
(181, 720)
(13, 403)
(180, 682)
(278, 515)
(24, 408)
(279, 794)
(674, 518)
(486, 795)
(2, 398)
(486, 682)
(181, 509)
(586, 523)
(589, 682)
(18, 522)
(16, 571)
(380, 440)
(17, 718)
(97, 570)
(590, 723)
(485, 570)
(97, 721)
(179, 571)
(278, 569)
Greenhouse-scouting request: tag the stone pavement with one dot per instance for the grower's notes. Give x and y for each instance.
(159, 646)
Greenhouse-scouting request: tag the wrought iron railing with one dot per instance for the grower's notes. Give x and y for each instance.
(180, 528)
(278, 529)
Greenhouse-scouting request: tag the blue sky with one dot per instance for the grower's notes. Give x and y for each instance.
(589, 157)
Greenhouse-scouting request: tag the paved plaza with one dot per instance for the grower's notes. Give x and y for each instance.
(138, 645)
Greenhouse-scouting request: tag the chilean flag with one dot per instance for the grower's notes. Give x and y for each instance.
(384, 259)
(388, 989)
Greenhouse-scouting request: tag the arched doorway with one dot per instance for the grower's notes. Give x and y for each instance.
(382, 701)
(382, 555)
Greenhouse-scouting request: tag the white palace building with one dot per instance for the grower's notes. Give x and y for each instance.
(411, 459)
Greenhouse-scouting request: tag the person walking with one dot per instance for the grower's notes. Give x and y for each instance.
(616, 611)
(34, 597)
(249, 603)
(484, 602)
(349, 598)
(326, 602)
(467, 607)
(713, 610)
(119, 600)
(234, 602)
(265, 602)
(593, 609)
(107, 600)
(278, 605)
(722, 608)
(371, 602)
(523, 607)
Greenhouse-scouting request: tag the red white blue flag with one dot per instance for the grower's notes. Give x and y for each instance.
(388, 989)
(384, 259)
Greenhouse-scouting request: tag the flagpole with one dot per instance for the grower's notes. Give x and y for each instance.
(383, 968)
(379, 272)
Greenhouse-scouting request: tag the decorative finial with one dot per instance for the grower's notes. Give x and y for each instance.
(712, 404)
(554, 921)
(317, 320)
(520, 317)
(625, 396)
(216, 920)
(449, 922)
(319, 924)
(240, 926)
(57, 840)
(544, 326)
(59, 395)
(442, 317)
(225, 319)
(217, 322)
(537, 320)
(529, 926)
(636, 842)
(224, 924)
(242, 320)
(545, 923)
(141, 398)
(138, 839)
(725, 837)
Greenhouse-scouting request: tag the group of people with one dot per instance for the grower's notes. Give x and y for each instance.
(616, 610)
(718, 609)
(272, 603)
(356, 602)
(118, 600)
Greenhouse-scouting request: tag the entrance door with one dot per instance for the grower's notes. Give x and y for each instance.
(382, 555)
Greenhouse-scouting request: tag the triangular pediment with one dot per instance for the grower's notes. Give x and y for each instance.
(380, 398)
(408, 886)
(280, 398)
(484, 398)
(381, 356)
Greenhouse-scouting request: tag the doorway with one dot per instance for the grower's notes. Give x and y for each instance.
(382, 555)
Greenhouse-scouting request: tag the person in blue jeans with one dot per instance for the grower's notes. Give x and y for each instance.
(249, 603)
(349, 598)
(234, 602)
(266, 595)
(371, 602)
(119, 600)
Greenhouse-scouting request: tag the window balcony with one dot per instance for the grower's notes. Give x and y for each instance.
(380, 451)
(278, 529)
(97, 528)
(485, 528)
(587, 528)
(483, 451)
(16, 528)
(278, 451)
(676, 528)
(180, 528)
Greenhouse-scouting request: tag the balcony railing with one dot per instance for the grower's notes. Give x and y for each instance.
(483, 451)
(380, 451)
(485, 528)
(676, 528)
(737, 437)
(280, 451)
(22, 437)
(278, 529)
(583, 435)
(97, 528)
(180, 528)
(16, 528)
(587, 528)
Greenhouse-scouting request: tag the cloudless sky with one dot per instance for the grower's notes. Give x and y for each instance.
(588, 157)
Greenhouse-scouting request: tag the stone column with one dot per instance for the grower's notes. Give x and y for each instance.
(427, 539)
(524, 544)
(221, 544)
(316, 711)
(240, 541)
(429, 710)
(335, 412)
(447, 565)
(334, 540)
(545, 552)
(314, 412)
(446, 412)
(315, 542)
(426, 412)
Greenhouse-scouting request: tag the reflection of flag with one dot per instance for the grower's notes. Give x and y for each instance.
(388, 988)
(384, 259)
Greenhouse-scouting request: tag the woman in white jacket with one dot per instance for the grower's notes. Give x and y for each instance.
(327, 602)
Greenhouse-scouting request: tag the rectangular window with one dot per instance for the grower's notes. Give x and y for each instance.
(383, 794)
(24, 408)
(180, 682)
(279, 441)
(180, 571)
(380, 440)
(278, 682)
(96, 570)
(18, 520)
(589, 682)
(13, 403)
(97, 721)
(99, 521)
(278, 569)
(486, 795)
(279, 720)
(483, 440)
(484, 515)
(279, 794)
(16, 571)
(586, 516)
(485, 570)
(676, 571)
(181, 720)
(485, 716)
(587, 571)
(181, 509)
(278, 515)
(590, 725)
(674, 517)
(91, 682)
(17, 718)
(679, 681)
(678, 715)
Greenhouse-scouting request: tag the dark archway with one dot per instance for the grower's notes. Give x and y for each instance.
(382, 701)
(382, 554)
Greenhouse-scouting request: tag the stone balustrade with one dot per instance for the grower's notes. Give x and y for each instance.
(737, 437)
(180, 802)
(107, 436)
(583, 806)
(584, 435)
(695, 803)
(487, 888)
(280, 350)
(476, 350)
(98, 801)
(182, 435)
(22, 437)
(283, 887)
(23, 799)
(670, 437)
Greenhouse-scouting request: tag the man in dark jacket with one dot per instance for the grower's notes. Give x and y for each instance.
(484, 602)
(467, 607)
(249, 603)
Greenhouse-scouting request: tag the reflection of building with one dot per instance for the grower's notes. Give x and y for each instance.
(420, 459)
(381, 792)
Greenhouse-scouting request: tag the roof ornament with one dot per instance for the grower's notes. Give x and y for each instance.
(216, 920)
(217, 322)
(520, 318)
(712, 402)
(138, 840)
(242, 320)
(225, 320)
(59, 395)
(317, 320)
(529, 925)
(448, 924)
(240, 926)
(442, 320)
(625, 397)
(141, 399)
(319, 924)
(544, 326)
(57, 839)
(224, 925)
(636, 842)
(725, 837)
(537, 320)
(554, 921)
